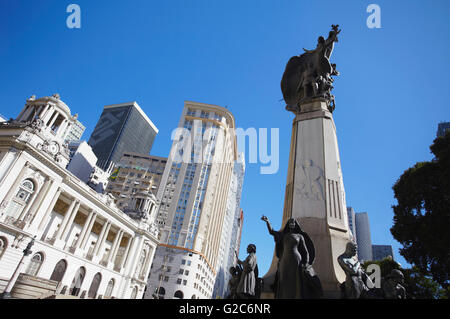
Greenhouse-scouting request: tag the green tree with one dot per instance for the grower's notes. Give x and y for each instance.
(416, 284)
(422, 215)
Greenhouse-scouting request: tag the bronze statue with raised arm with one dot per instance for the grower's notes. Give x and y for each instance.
(295, 277)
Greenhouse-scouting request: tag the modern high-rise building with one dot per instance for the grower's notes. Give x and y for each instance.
(136, 173)
(231, 230)
(75, 132)
(442, 128)
(363, 236)
(193, 196)
(380, 252)
(352, 222)
(121, 128)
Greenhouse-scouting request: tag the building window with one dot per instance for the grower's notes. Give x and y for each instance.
(77, 281)
(3, 245)
(59, 271)
(178, 294)
(179, 281)
(35, 264)
(92, 293)
(22, 198)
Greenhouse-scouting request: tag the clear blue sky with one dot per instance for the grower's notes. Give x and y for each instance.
(390, 96)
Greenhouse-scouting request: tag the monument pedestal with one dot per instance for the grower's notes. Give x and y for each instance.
(315, 195)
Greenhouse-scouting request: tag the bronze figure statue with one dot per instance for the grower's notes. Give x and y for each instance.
(357, 282)
(309, 75)
(392, 285)
(247, 286)
(295, 277)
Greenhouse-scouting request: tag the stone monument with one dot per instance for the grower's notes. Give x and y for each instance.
(315, 194)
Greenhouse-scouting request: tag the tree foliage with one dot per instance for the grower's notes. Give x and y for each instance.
(422, 215)
(416, 284)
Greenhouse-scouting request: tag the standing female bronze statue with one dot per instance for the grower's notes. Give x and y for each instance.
(295, 278)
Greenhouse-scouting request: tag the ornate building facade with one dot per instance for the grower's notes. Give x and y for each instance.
(85, 247)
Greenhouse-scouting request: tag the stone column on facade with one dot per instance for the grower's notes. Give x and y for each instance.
(49, 209)
(70, 221)
(135, 258)
(146, 268)
(125, 253)
(39, 200)
(48, 114)
(84, 229)
(27, 113)
(114, 247)
(24, 110)
(62, 128)
(88, 232)
(65, 219)
(54, 119)
(101, 242)
(130, 255)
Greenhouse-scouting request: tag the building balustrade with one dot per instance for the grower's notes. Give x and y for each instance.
(15, 222)
(48, 240)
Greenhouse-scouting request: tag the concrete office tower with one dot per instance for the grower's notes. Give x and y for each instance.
(363, 237)
(75, 132)
(136, 173)
(230, 237)
(121, 128)
(442, 128)
(380, 252)
(351, 222)
(193, 195)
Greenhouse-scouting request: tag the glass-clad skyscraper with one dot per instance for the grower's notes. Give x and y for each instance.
(121, 128)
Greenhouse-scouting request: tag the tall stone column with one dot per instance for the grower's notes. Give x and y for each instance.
(50, 209)
(101, 242)
(70, 221)
(88, 232)
(125, 253)
(66, 219)
(85, 229)
(115, 248)
(315, 193)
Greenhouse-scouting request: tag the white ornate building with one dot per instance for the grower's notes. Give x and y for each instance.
(85, 246)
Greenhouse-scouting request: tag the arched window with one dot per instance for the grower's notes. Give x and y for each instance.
(35, 264)
(134, 293)
(94, 285)
(77, 281)
(26, 190)
(21, 199)
(59, 271)
(194, 297)
(3, 245)
(178, 294)
(109, 288)
(161, 292)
